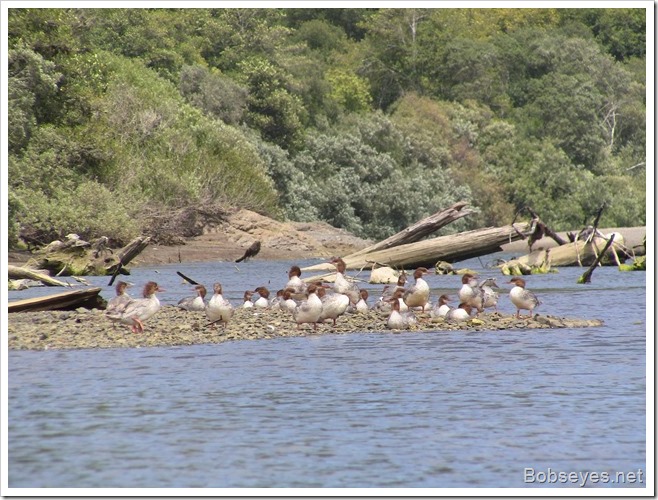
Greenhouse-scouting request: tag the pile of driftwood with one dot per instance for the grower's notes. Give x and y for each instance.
(408, 249)
(76, 257)
(589, 247)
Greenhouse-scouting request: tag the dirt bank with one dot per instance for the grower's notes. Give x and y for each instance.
(229, 239)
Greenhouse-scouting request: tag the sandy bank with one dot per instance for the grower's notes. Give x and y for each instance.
(173, 326)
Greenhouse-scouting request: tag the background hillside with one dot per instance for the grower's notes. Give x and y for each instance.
(130, 121)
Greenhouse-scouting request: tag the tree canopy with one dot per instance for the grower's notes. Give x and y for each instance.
(368, 119)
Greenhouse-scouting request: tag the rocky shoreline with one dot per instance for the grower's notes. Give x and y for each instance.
(172, 326)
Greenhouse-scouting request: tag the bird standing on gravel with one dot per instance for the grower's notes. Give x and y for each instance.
(219, 309)
(140, 310)
(119, 303)
(250, 252)
(522, 298)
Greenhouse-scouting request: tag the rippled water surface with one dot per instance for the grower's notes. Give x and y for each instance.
(439, 409)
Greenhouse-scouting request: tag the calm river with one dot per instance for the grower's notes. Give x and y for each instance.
(434, 410)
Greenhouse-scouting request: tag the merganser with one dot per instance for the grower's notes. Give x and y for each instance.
(522, 298)
(341, 284)
(275, 303)
(309, 310)
(462, 313)
(399, 320)
(196, 303)
(295, 282)
(118, 303)
(488, 294)
(264, 299)
(219, 309)
(441, 308)
(139, 310)
(334, 305)
(288, 304)
(469, 291)
(419, 293)
(362, 305)
(387, 293)
(247, 299)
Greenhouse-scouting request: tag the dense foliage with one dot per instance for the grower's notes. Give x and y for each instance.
(368, 119)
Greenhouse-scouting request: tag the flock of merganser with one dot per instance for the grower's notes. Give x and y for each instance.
(318, 302)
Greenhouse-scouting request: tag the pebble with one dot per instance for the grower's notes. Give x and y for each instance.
(90, 329)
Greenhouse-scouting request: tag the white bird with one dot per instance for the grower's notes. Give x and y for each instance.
(264, 300)
(341, 284)
(461, 313)
(419, 293)
(334, 305)
(119, 303)
(247, 303)
(288, 303)
(441, 308)
(295, 283)
(362, 305)
(399, 320)
(139, 310)
(469, 292)
(219, 309)
(196, 303)
(488, 295)
(309, 310)
(522, 298)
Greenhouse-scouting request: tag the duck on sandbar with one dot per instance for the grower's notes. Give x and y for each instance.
(461, 313)
(334, 305)
(247, 302)
(399, 320)
(341, 284)
(522, 298)
(119, 303)
(219, 309)
(417, 296)
(196, 303)
(139, 310)
(309, 310)
(441, 308)
(264, 300)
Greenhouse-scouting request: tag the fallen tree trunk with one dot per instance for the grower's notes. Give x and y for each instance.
(427, 253)
(19, 273)
(420, 229)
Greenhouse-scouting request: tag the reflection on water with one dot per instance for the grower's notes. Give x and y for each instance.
(440, 409)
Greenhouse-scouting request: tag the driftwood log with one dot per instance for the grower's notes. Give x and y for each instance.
(451, 248)
(577, 253)
(88, 259)
(420, 229)
(20, 273)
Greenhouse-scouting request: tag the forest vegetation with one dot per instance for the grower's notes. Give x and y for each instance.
(368, 119)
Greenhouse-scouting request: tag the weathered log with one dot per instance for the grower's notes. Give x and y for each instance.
(89, 260)
(64, 301)
(17, 273)
(451, 248)
(420, 229)
(577, 253)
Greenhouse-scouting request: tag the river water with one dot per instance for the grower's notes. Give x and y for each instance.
(513, 409)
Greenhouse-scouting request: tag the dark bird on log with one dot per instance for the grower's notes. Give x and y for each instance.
(251, 251)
